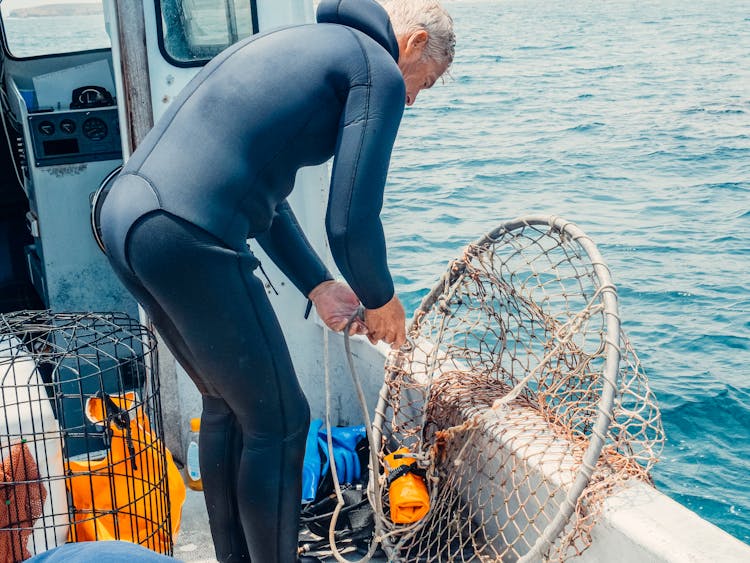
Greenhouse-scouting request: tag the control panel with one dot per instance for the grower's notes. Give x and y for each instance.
(68, 137)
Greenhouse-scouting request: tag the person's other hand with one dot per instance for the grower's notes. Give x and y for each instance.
(387, 323)
(335, 303)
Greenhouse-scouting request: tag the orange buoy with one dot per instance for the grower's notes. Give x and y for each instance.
(407, 491)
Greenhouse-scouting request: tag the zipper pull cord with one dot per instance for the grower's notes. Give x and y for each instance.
(265, 275)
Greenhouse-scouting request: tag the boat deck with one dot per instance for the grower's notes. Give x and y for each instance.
(194, 545)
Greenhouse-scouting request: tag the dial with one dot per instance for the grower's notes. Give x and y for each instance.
(46, 128)
(68, 126)
(94, 129)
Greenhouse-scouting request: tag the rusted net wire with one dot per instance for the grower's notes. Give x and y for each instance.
(521, 398)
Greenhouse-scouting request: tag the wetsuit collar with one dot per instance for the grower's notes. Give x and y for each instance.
(366, 16)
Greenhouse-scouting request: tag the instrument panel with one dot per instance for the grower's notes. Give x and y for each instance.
(68, 137)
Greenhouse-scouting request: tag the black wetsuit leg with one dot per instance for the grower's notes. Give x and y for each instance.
(221, 433)
(209, 308)
(220, 430)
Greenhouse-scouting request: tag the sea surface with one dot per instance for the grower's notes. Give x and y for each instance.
(630, 118)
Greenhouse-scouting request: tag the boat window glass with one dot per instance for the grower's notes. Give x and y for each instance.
(35, 28)
(194, 31)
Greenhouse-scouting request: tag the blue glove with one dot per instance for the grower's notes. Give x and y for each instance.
(345, 456)
(316, 462)
(311, 464)
(347, 436)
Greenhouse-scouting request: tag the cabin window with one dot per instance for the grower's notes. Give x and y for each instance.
(35, 28)
(194, 31)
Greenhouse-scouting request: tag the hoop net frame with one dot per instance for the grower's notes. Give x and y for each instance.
(520, 396)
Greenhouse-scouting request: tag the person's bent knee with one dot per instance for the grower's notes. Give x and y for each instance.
(289, 427)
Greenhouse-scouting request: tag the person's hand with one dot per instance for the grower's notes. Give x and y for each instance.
(387, 323)
(335, 303)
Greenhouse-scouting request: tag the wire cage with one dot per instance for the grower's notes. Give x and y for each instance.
(81, 433)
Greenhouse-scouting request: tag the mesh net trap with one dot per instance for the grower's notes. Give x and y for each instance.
(520, 400)
(80, 433)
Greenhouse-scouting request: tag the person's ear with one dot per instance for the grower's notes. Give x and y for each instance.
(416, 43)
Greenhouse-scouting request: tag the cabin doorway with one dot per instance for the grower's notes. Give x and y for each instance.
(16, 290)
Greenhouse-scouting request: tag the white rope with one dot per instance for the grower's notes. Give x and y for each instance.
(377, 507)
(375, 497)
(329, 440)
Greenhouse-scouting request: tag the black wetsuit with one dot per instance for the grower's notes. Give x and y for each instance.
(215, 171)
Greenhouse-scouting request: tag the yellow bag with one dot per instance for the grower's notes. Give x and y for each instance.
(122, 495)
(407, 493)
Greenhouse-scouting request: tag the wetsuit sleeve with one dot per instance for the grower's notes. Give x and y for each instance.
(367, 131)
(286, 244)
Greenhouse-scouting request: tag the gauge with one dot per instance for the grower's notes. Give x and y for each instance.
(68, 126)
(46, 128)
(94, 129)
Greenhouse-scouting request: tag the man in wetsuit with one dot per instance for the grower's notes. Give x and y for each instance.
(215, 171)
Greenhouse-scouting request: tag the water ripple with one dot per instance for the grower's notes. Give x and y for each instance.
(630, 118)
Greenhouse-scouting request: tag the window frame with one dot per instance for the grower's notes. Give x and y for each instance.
(8, 54)
(198, 61)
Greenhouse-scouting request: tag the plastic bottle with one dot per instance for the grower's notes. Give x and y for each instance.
(192, 468)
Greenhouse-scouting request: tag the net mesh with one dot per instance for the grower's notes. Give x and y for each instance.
(521, 398)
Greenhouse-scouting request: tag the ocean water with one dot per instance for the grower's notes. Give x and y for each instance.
(630, 118)
(33, 37)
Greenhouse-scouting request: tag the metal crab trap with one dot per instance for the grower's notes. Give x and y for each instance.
(520, 401)
(80, 433)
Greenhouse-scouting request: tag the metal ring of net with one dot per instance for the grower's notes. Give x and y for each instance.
(505, 397)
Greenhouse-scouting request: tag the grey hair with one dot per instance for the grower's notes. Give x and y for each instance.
(408, 16)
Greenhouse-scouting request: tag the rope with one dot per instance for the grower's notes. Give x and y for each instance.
(374, 492)
(376, 495)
